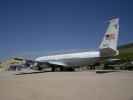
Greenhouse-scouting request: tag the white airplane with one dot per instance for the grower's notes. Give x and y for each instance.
(108, 48)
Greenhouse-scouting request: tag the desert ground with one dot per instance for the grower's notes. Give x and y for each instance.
(86, 85)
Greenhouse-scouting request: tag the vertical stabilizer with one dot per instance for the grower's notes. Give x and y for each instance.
(108, 46)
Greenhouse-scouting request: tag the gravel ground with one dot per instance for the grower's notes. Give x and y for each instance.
(66, 86)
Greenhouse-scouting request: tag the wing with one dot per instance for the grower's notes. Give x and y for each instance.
(37, 65)
(57, 63)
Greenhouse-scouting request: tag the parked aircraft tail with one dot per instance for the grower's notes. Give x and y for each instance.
(108, 47)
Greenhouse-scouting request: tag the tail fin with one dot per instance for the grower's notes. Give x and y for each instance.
(108, 46)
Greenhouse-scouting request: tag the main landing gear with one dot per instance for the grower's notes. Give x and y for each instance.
(53, 69)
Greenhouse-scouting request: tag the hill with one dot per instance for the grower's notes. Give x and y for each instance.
(126, 51)
(6, 63)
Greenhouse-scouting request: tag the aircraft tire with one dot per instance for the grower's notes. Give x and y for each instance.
(62, 69)
(53, 69)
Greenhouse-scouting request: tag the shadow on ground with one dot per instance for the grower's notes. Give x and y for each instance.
(23, 73)
(105, 71)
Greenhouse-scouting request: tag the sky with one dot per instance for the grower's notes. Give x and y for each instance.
(32, 28)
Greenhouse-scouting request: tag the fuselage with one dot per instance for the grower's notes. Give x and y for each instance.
(72, 59)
